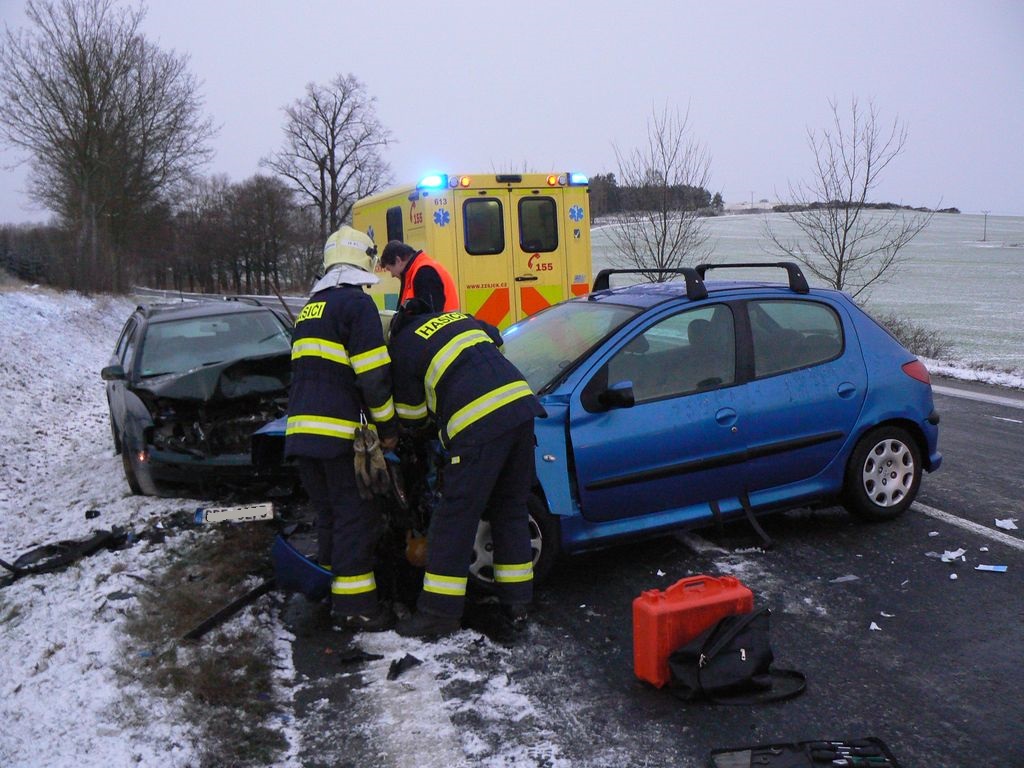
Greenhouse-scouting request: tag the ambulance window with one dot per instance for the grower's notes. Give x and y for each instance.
(394, 222)
(485, 233)
(538, 229)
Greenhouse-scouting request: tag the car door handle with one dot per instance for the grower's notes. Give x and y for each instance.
(726, 417)
(526, 278)
(846, 390)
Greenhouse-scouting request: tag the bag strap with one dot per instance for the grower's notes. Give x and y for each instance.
(720, 642)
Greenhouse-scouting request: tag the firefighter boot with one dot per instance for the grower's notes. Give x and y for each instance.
(427, 626)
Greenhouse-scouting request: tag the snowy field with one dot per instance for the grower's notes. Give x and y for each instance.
(60, 701)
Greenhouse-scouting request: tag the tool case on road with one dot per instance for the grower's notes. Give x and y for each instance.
(663, 620)
(837, 753)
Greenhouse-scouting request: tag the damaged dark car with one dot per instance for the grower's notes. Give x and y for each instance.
(187, 386)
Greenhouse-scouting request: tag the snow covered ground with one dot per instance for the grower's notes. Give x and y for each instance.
(61, 702)
(61, 634)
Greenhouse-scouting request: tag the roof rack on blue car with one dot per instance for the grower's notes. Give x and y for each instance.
(695, 290)
(797, 281)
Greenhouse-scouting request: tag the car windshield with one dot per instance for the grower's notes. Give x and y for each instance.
(544, 345)
(176, 346)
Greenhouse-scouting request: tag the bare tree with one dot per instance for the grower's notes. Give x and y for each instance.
(332, 149)
(109, 121)
(662, 188)
(843, 240)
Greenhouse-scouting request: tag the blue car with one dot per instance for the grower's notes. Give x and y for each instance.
(672, 404)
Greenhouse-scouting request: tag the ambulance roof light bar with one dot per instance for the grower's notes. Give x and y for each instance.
(434, 181)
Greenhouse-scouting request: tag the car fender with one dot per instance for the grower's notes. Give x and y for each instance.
(137, 419)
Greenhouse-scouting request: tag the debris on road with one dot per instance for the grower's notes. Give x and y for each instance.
(230, 610)
(237, 513)
(957, 554)
(994, 568)
(55, 557)
(398, 666)
(845, 579)
(357, 655)
(1007, 524)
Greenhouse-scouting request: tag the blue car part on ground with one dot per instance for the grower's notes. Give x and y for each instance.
(295, 572)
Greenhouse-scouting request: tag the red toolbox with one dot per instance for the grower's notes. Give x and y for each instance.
(663, 620)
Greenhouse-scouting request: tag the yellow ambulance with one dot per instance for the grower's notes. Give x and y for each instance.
(514, 243)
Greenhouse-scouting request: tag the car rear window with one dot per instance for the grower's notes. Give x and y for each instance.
(175, 346)
(793, 334)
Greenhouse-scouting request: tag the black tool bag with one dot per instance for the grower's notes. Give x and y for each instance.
(731, 663)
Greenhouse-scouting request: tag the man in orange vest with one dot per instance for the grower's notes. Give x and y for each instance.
(421, 277)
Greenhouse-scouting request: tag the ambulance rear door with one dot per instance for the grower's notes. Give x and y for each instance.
(539, 265)
(483, 219)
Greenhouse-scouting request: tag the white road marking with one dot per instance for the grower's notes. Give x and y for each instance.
(979, 396)
(967, 525)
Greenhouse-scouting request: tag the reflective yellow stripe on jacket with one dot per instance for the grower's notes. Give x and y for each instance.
(328, 350)
(321, 425)
(412, 412)
(445, 357)
(486, 404)
(367, 361)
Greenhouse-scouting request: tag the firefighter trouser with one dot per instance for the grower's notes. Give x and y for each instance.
(492, 480)
(347, 531)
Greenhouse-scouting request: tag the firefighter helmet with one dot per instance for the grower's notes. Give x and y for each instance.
(350, 246)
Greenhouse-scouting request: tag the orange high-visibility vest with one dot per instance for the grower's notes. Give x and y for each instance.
(451, 293)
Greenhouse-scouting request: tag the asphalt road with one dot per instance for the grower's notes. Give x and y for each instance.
(891, 644)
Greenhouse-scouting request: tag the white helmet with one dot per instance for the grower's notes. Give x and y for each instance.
(350, 246)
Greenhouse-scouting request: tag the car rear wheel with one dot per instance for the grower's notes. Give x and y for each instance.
(883, 475)
(544, 542)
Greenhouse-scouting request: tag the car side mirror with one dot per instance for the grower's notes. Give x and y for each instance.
(618, 395)
(113, 373)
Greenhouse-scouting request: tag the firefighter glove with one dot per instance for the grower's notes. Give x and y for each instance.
(359, 447)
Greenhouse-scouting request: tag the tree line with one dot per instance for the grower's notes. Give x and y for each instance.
(115, 137)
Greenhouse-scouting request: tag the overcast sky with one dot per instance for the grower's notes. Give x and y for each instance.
(555, 85)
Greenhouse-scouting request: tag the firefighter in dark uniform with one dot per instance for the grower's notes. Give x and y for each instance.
(450, 367)
(421, 277)
(341, 372)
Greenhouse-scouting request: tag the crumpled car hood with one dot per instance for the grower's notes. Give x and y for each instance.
(228, 380)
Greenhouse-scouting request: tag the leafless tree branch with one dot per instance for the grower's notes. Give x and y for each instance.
(660, 227)
(843, 241)
(332, 153)
(111, 125)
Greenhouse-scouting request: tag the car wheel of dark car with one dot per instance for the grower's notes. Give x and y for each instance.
(884, 474)
(136, 473)
(128, 462)
(544, 538)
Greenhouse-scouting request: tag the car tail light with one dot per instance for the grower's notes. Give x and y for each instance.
(915, 369)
